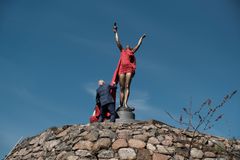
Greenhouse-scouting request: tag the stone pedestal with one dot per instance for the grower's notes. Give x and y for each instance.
(125, 115)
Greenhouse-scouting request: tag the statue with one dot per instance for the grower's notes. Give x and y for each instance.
(123, 74)
(126, 69)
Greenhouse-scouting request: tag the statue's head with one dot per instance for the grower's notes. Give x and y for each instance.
(101, 82)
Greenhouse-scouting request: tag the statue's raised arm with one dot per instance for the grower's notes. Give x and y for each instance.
(117, 37)
(139, 43)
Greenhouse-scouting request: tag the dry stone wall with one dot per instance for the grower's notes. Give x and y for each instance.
(148, 140)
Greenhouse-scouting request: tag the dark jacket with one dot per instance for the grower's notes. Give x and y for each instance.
(104, 96)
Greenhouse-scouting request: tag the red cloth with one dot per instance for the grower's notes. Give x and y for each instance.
(96, 114)
(127, 62)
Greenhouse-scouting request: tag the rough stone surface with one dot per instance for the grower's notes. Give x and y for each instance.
(165, 150)
(119, 143)
(141, 137)
(178, 157)
(83, 153)
(106, 154)
(167, 141)
(143, 154)
(135, 143)
(72, 157)
(151, 147)
(153, 140)
(210, 154)
(83, 145)
(102, 143)
(49, 145)
(141, 140)
(157, 156)
(196, 153)
(127, 153)
(92, 136)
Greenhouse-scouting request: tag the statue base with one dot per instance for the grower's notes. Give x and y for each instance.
(125, 115)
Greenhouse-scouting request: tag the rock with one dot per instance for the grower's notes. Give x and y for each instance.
(157, 156)
(64, 155)
(150, 133)
(195, 153)
(72, 157)
(92, 136)
(63, 133)
(83, 145)
(135, 143)
(127, 153)
(143, 154)
(178, 157)
(165, 149)
(37, 154)
(102, 143)
(167, 141)
(106, 133)
(50, 144)
(160, 138)
(141, 137)
(106, 154)
(34, 141)
(119, 143)
(179, 145)
(83, 133)
(210, 143)
(151, 147)
(182, 151)
(210, 154)
(36, 149)
(23, 152)
(124, 134)
(63, 147)
(237, 147)
(148, 127)
(137, 132)
(83, 153)
(28, 156)
(153, 140)
(43, 137)
(61, 155)
(40, 158)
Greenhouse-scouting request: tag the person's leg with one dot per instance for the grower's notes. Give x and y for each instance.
(102, 113)
(127, 88)
(122, 85)
(111, 109)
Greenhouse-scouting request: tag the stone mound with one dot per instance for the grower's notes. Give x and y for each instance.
(145, 140)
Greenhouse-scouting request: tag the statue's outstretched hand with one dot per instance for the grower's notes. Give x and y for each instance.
(144, 35)
(115, 27)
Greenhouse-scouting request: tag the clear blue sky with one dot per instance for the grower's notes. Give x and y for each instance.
(53, 52)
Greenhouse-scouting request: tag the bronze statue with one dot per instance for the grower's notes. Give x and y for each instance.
(126, 67)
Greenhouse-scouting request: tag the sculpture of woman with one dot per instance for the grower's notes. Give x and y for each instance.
(126, 67)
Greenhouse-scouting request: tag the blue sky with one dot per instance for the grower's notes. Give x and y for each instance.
(53, 52)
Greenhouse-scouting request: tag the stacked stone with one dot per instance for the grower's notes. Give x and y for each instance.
(148, 140)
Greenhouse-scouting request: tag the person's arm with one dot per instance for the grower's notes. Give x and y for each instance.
(114, 86)
(97, 99)
(139, 43)
(117, 37)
